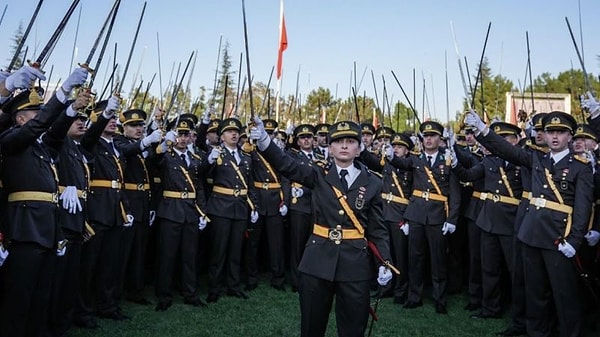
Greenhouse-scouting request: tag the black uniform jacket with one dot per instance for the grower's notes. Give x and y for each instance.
(350, 260)
(425, 211)
(543, 226)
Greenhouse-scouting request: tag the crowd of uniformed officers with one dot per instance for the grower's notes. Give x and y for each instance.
(98, 202)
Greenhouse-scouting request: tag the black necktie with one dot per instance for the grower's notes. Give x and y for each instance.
(183, 157)
(429, 160)
(343, 174)
(310, 156)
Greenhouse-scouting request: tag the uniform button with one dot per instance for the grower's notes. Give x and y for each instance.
(428, 180)
(341, 212)
(497, 191)
(314, 241)
(499, 181)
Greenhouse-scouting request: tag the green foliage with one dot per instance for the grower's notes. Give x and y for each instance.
(16, 39)
(570, 81)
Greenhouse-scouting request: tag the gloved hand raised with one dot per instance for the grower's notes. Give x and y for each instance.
(114, 103)
(76, 79)
(590, 104)
(206, 115)
(384, 276)
(474, 120)
(214, 154)
(152, 138)
(389, 152)
(23, 78)
(259, 134)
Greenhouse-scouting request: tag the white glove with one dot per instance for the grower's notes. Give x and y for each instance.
(405, 227)
(152, 217)
(154, 137)
(290, 129)
(474, 120)
(70, 201)
(254, 216)
(23, 78)
(389, 152)
(61, 247)
(448, 228)
(206, 115)
(566, 249)
(3, 254)
(454, 158)
(202, 222)
(114, 103)
(129, 222)
(450, 140)
(171, 136)
(214, 154)
(259, 134)
(4, 75)
(592, 237)
(283, 210)
(384, 276)
(297, 192)
(362, 146)
(591, 104)
(76, 79)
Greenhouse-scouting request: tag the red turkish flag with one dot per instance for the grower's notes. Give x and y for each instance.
(283, 42)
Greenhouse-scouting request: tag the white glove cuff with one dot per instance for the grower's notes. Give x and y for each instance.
(71, 112)
(61, 95)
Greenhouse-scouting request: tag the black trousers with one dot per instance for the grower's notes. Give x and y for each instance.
(176, 238)
(301, 226)
(65, 286)
(125, 245)
(399, 248)
(518, 302)
(135, 267)
(475, 291)
(99, 269)
(496, 251)
(352, 302)
(420, 237)
(551, 291)
(27, 286)
(226, 242)
(273, 225)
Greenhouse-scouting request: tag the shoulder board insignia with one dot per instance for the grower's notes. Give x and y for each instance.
(581, 159)
(292, 150)
(416, 153)
(196, 156)
(376, 173)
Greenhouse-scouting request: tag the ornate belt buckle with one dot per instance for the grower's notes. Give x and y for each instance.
(266, 186)
(140, 187)
(389, 197)
(483, 196)
(426, 195)
(84, 195)
(55, 198)
(114, 184)
(236, 192)
(495, 197)
(335, 234)
(539, 202)
(184, 195)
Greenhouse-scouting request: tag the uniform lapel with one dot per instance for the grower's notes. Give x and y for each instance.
(333, 178)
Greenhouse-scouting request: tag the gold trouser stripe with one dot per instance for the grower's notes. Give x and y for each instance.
(267, 186)
(33, 196)
(390, 197)
(347, 234)
(179, 195)
(137, 187)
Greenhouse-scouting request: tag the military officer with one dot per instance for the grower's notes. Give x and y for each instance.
(231, 201)
(367, 132)
(348, 212)
(554, 224)
(431, 213)
(271, 210)
(322, 147)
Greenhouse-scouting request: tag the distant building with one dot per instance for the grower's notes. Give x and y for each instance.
(542, 102)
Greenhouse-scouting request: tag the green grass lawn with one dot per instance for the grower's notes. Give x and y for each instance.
(273, 313)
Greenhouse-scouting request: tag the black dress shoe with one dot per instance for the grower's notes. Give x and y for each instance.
(440, 309)
(472, 306)
(212, 298)
(400, 299)
(250, 287)
(279, 287)
(412, 305)
(482, 315)
(163, 306)
(512, 332)
(237, 293)
(87, 324)
(195, 302)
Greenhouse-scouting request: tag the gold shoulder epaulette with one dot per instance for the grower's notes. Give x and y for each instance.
(581, 158)
(416, 153)
(377, 174)
(196, 156)
(537, 147)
